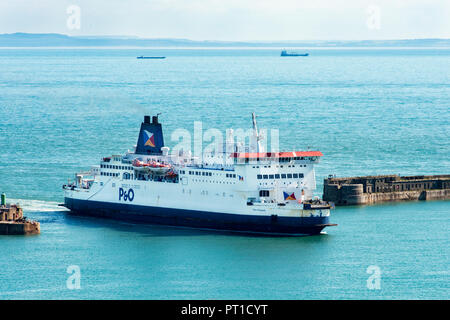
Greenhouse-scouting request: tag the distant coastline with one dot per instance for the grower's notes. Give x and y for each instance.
(61, 40)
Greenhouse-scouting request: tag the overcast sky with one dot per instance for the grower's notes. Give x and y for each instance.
(233, 19)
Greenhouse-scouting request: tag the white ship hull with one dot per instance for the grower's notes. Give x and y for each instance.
(245, 192)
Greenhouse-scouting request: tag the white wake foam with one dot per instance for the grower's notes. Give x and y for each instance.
(37, 205)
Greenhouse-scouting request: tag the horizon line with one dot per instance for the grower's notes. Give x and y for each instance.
(133, 37)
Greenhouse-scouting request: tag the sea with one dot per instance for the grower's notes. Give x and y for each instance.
(369, 110)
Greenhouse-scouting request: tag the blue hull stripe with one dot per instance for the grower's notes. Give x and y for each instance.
(198, 219)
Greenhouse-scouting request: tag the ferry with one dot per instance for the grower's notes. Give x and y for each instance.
(144, 57)
(284, 53)
(235, 190)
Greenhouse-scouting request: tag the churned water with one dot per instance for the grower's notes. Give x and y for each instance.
(370, 111)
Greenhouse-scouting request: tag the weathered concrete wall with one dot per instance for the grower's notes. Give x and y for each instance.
(19, 228)
(373, 189)
(437, 194)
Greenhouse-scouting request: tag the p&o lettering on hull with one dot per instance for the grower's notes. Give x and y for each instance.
(126, 195)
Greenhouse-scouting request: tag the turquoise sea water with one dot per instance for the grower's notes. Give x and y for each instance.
(370, 111)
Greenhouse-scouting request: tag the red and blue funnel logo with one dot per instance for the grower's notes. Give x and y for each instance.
(149, 139)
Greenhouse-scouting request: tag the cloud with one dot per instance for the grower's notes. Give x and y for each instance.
(232, 19)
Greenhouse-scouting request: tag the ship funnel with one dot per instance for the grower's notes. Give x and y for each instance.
(151, 138)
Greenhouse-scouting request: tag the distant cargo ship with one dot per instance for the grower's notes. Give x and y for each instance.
(233, 190)
(284, 53)
(143, 57)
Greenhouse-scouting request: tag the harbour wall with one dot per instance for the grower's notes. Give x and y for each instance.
(12, 220)
(19, 228)
(374, 189)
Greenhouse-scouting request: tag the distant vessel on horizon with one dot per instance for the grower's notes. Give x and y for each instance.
(284, 53)
(143, 57)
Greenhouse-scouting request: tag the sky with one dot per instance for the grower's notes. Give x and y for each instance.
(232, 20)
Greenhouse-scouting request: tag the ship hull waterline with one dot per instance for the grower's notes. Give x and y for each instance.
(264, 225)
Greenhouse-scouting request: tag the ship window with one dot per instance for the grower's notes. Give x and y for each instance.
(289, 175)
(263, 193)
(300, 175)
(283, 176)
(259, 176)
(265, 176)
(271, 176)
(277, 176)
(295, 175)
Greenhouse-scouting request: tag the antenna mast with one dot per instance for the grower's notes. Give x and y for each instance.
(256, 133)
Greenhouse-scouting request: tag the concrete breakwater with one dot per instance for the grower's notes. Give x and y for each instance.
(12, 221)
(374, 189)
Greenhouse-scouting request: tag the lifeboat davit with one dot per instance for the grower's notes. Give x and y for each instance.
(158, 168)
(139, 165)
(153, 166)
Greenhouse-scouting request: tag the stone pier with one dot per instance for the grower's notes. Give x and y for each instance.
(374, 189)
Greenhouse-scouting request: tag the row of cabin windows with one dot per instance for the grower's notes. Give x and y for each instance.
(282, 176)
(110, 166)
(198, 173)
(247, 160)
(109, 174)
(213, 181)
(289, 166)
(209, 174)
